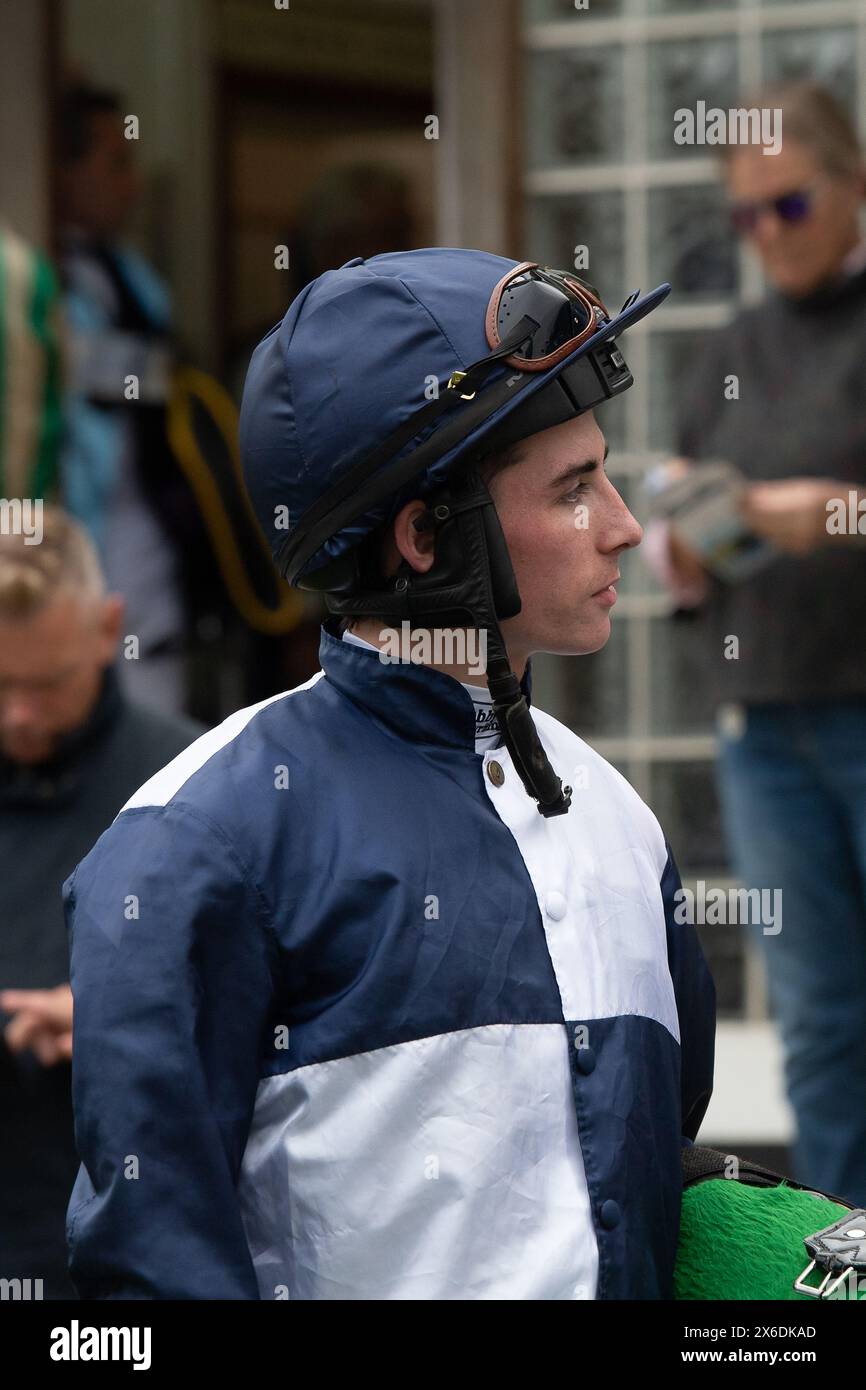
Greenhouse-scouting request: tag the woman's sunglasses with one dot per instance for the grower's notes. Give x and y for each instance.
(788, 207)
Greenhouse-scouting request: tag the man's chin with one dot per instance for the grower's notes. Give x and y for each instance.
(588, 639)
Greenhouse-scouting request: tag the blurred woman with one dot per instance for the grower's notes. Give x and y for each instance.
(781, 394)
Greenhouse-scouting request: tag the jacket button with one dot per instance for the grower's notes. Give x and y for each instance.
(610, 1214)
(495, 773)
(555, 905)
(585, 1060)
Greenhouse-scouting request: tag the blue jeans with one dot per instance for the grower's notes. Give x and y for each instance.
(792, 781)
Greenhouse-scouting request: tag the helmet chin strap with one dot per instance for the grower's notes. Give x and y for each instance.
(470, 584)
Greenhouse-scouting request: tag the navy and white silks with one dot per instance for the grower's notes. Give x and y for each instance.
(354, 1021)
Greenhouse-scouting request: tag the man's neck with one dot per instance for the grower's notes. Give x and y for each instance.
(464, 642)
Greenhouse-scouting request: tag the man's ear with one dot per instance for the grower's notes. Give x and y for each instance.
(412, 538)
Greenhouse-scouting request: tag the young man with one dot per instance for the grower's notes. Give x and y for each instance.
(370, 1005)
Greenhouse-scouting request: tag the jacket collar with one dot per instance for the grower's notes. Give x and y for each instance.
(417, 702)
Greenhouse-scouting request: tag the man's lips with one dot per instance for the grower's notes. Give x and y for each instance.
(608, 586)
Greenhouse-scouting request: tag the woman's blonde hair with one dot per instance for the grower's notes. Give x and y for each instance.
(811, 116)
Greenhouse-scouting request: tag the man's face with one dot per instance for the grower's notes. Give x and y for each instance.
(51, 669)
(101, 189)
(796, 256)
(566, 527)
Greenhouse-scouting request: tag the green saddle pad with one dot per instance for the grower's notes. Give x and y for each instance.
(739, 1241)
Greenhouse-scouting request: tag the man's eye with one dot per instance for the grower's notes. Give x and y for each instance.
(576, 492)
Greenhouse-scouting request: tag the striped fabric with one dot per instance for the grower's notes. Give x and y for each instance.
(30, 416)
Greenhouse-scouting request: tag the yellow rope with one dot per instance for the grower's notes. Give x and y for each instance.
(186, 383)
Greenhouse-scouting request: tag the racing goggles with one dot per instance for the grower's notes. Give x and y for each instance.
(566, 310)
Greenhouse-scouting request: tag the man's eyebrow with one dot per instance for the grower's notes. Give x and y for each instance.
(576, 470)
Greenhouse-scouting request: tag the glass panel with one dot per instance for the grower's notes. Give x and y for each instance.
(536, 11)
(672, 355)
(574, 107)
(681, 74)
(724, 948)
(826, 55)
(688, 6)
(690, 241)
(680, 700)
(683, 797)
(593, 698)
(558, 225)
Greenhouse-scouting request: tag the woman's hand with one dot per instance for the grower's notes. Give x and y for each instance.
(791, 513)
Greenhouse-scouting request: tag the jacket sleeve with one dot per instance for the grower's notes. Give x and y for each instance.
(171, 970)
(696, 1002)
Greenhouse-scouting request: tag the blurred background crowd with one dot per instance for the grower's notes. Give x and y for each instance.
(172, 173)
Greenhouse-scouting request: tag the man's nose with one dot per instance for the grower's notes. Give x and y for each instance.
(768, 227)
(623, 531)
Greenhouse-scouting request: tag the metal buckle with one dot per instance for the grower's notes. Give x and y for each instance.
(838, 1250)
(821, 1290)
(454, 379)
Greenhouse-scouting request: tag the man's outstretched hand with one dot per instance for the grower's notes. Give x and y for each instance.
(42, 1021)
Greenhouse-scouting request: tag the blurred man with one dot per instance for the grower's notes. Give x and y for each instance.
(792, 723)
(72, 750)
(119, 476)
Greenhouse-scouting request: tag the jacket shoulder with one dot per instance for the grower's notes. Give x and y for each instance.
(221, 760)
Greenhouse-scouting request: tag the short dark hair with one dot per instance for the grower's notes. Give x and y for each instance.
(78, 104)
(499, 460)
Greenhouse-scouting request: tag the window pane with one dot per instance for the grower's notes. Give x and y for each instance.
(724, 948)
(557, 226)
(690, 242)
(672, 356)
(536, 11)
(680, 700)
(593, 697)
(827, 55)
(685, 802)
(681, 74)
(686, 6)
(575, 108)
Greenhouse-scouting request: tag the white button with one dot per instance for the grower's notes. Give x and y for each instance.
(555, 905)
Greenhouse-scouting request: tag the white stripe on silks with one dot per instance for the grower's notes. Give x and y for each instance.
(472, 1183)
(159, 789)
(601, 907)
